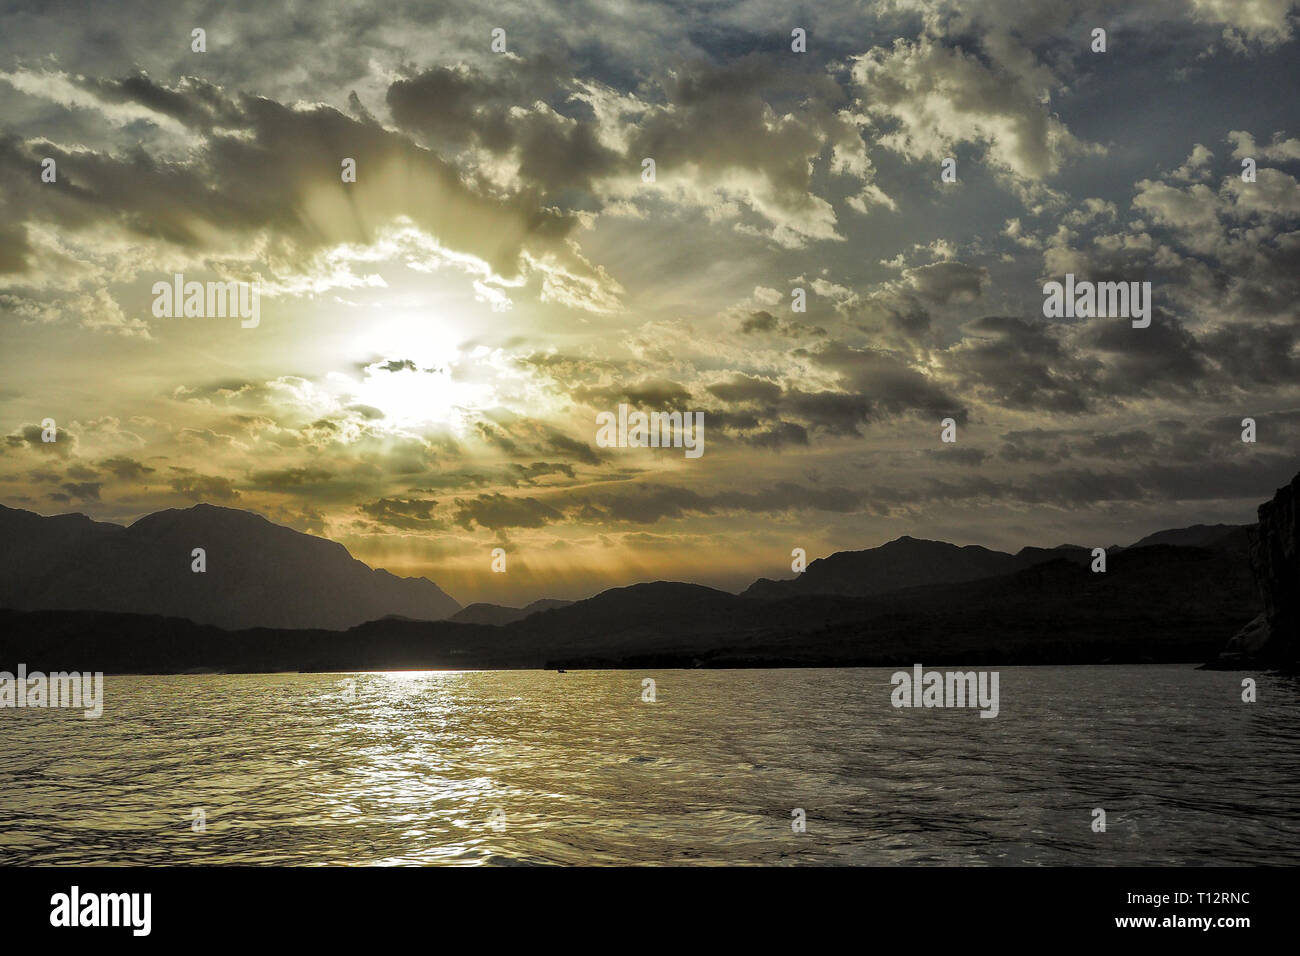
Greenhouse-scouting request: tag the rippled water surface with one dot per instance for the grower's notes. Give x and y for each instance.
(410, 769)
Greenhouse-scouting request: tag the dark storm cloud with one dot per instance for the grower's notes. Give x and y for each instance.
(1119, 446)
(1148, 482)
(405, 514)
(649, 503)
(1035, 445)
(1019, 454)
(1165, 359)
(659, 393)
(893, 311)
(493, 435)
(198, 487)
(835, 413)
(410, 456)
(715, 118)
(771, 416)
(1174, 443)
(728, 421)
(570, 369)
(718, 118)
(556, 152)
(946, 282)
(745, 388)
(970, 457)
(455, 104)
(1255, 477)
(194, 102)
(512, 475)
(764, 322)
(126, 469)
(279, 169)
(530, 474)
(284, 479)
(29, 436)
(1284, 422)
(80, 491)
(778, 436)
(579, 451)
(886, 383)
(1035, 365)
(1256, 355)
(1022, 363)
(497, 512)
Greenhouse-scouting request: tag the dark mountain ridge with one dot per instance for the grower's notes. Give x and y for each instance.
(904, 601)
(1157, 604)
(911, 562)
(258, 573)
(499, 615)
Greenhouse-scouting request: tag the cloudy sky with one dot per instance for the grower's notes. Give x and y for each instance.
(436, 338)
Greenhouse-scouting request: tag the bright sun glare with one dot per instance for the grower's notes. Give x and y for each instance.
(422, 377)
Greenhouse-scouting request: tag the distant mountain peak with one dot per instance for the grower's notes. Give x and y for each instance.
(1193, 536)
(901, 563)
(259, 573)
(498, 615)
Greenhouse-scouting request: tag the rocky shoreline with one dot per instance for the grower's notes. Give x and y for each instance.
(1272, 639)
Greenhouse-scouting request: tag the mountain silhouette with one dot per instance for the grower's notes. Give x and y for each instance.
(88, 595)
(259, 574)
(1197, 536)
(1154, 604)
(498, 615)
(663, 614)
(908, 562)
(901, 563)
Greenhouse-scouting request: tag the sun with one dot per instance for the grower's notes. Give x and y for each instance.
(423, 375)
(415, 395)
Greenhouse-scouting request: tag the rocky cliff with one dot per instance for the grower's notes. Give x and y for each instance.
(1273, 638)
